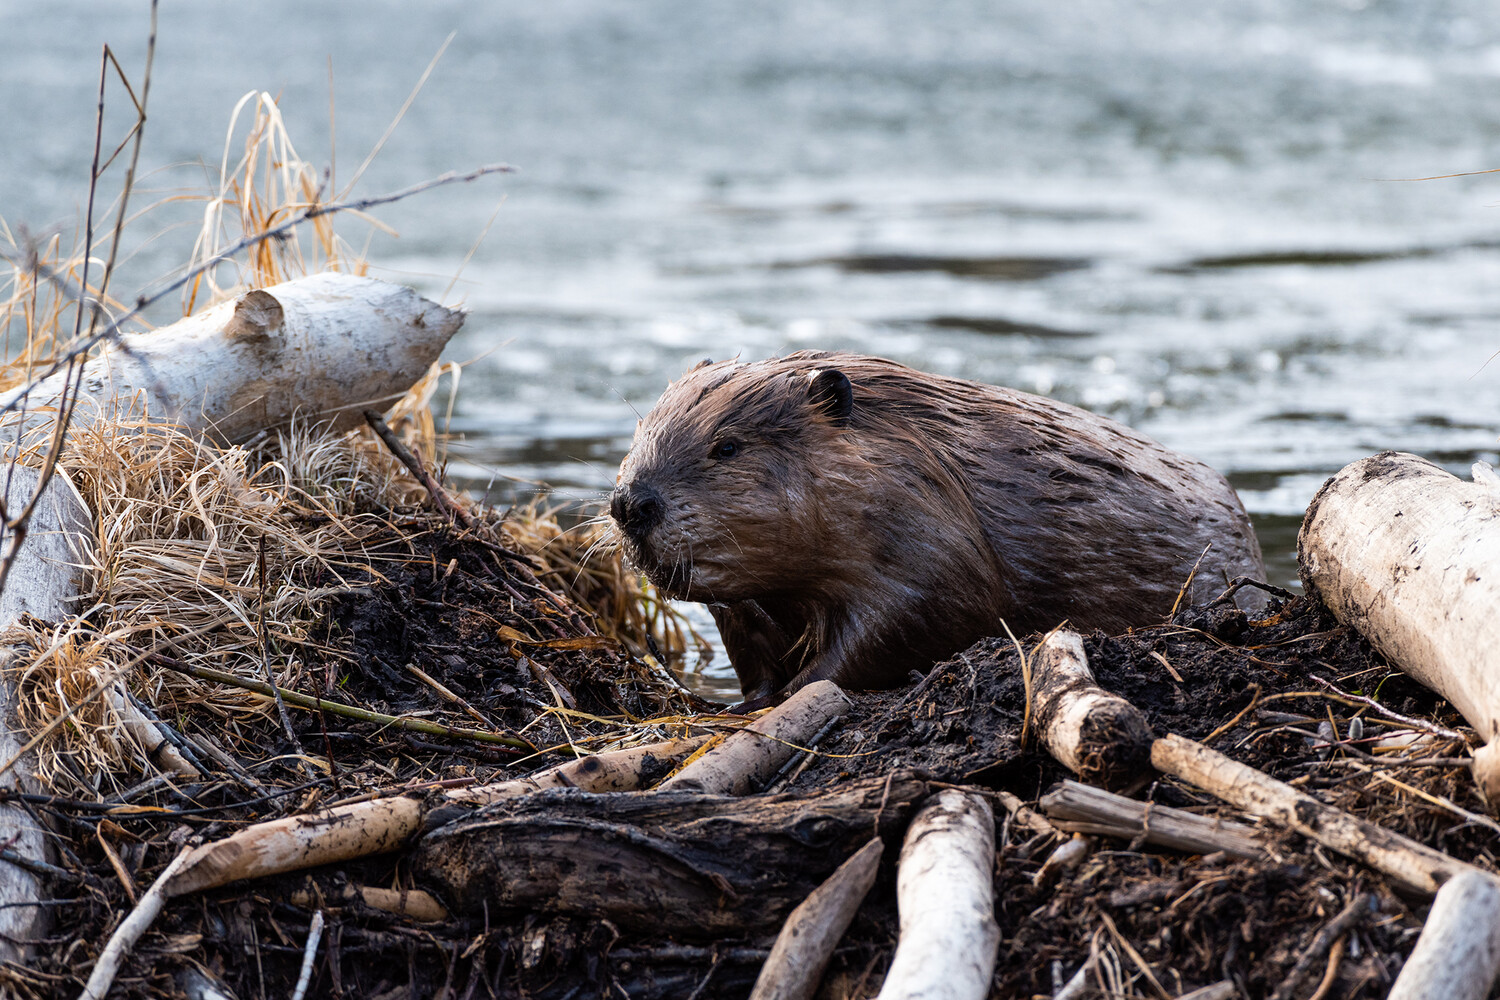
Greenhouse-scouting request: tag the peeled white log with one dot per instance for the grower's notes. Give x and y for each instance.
(1099, 736)
(751, 757)
(43, 582)
(1458, 955)
(1409, 555)
(945, 897)
(322, 347)
(612, 771)
(800, 955)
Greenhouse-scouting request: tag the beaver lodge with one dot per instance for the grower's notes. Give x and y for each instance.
(299, 720)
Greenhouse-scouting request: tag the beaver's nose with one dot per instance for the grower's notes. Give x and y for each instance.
(636, 509)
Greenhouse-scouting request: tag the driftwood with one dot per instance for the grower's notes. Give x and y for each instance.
(680, 863)
(795, 966)
(320, 347)
(748, 759)
(1458, 955)
(1098, 736)
(1408, 554)
(945, 895)
(1416, 866)
(1078, 808)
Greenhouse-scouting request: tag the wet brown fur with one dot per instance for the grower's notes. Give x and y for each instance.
(859, 546)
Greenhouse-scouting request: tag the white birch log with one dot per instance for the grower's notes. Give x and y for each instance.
(751, 757)
(44, 583)
(1409, 555)
(800, 955)
(945, 898)
(1458, 955)
(321, 347)
(1099, 736)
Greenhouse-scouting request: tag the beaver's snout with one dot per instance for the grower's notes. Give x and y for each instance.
(637, 509)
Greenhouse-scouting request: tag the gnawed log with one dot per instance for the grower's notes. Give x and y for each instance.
(1416, 866)
(680, 863)
(322, 347)
(361, 829)
(1458, 955)
(1409, 555)
(751, 757)
(795, 966)
(1098, 736)
(945, 897)
(1078, 808)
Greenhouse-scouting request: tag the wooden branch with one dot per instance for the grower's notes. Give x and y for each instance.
(130, 931)
(681, 864)
(795, 966)
(1458, 955)
(1079, 808)
(945, 896)
(381, 825)
(1406, 553)
(612, 771)
(750, 758)
(1416, 866)
(1098, 736)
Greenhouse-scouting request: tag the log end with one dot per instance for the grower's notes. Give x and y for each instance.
(1486, 770)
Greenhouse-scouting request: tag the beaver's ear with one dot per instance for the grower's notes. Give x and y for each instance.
(702, 364)
(829, 390)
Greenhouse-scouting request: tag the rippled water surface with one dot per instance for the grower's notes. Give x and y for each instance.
(1196, 219)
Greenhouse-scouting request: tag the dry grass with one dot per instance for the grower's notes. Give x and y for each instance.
(228, 556)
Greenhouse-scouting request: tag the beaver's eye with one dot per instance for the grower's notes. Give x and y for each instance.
(726, 449)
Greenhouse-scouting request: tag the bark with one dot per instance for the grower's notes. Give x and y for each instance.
(797, 961)
(1078, 808)
(1458, 955)
(321, 347)
(1408, 554)
(677, 863)
(1416, 866)
(750, 758)
(945, 896)
(1098, 736)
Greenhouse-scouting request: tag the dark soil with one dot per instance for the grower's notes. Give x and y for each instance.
(453, 606)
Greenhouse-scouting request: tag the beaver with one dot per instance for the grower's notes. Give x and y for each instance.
(850, 518)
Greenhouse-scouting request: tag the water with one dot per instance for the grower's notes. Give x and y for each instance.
(1191, 220)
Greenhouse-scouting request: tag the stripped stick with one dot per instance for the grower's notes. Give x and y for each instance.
(1458, 955)
(945, 895)
(751, 757)
(795, 966)
(130, 931)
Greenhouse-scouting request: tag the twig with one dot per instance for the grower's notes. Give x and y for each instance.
(1348, 918)
(314, 935)
(434, 489)
(130, 931)
(1359, 699)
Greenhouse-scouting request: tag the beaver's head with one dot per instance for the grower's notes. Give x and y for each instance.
(721, 497)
